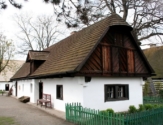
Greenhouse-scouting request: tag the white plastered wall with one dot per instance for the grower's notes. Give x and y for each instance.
(72, 90)
(24, 89)
(90, 95)
(94, 94)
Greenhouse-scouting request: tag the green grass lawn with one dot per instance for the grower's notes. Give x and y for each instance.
(7, 121)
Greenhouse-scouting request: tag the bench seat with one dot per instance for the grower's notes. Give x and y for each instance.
(45, 100)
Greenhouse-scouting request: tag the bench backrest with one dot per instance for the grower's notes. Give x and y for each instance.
(46, 97)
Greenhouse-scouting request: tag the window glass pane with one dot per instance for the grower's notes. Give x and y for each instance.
(110, 92)
(120, 91)
(116, 92)
(59, 92)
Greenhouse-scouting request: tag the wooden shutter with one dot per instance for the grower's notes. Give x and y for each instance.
(115, 59)
(105, 93)
(126, 91)
(122, 60)
(106, 58)
(130, 55)
(61, 92)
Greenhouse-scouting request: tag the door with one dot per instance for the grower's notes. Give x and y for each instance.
(40, 90)
(16, 88)
(6, 87)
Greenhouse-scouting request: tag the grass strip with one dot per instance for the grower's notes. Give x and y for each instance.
(7, 121)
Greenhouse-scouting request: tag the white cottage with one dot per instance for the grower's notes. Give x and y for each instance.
(101, 67)
(8, 72)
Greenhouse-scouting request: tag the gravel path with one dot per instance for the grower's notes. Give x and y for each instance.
(25, 114)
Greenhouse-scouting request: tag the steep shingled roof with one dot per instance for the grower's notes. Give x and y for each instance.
(23, 72)
(69, 53)
(155, 57)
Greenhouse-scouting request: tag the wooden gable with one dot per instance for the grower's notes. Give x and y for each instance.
(116, 55)
(36, 58)
(34, 64)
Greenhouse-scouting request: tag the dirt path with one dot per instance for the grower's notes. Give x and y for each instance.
(27, 115)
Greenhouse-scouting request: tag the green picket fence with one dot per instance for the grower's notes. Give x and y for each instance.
(84, 116)
(152, 100)
(149, 117)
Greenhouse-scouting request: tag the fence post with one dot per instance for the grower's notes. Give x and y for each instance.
(109, 118)
(66, 109)
(123, 122)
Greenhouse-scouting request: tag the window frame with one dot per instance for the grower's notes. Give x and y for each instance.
(60, 96)
(115, 92)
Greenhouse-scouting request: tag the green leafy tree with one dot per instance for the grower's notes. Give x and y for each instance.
(6, 52)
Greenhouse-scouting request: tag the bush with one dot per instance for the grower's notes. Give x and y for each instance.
(107, 111)
(110, 110)
(132, 109)
(141, 108)
(146, 89)
(149, 106)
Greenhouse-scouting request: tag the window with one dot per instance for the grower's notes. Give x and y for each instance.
(116, 92)
(59, 92)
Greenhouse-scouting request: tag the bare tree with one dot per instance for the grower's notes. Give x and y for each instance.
(145, 16)
(3, 4)
(36, 34)
(6, 52)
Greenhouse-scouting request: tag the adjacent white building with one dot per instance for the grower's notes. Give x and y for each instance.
(6, 74)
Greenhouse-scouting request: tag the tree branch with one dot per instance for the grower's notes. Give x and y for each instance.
(150, 35)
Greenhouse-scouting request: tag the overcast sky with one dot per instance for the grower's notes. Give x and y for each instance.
(32, 7)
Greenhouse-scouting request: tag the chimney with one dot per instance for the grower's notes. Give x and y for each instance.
(73, 32)
(152, 45)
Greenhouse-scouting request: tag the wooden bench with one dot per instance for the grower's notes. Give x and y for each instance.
(46, 99)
